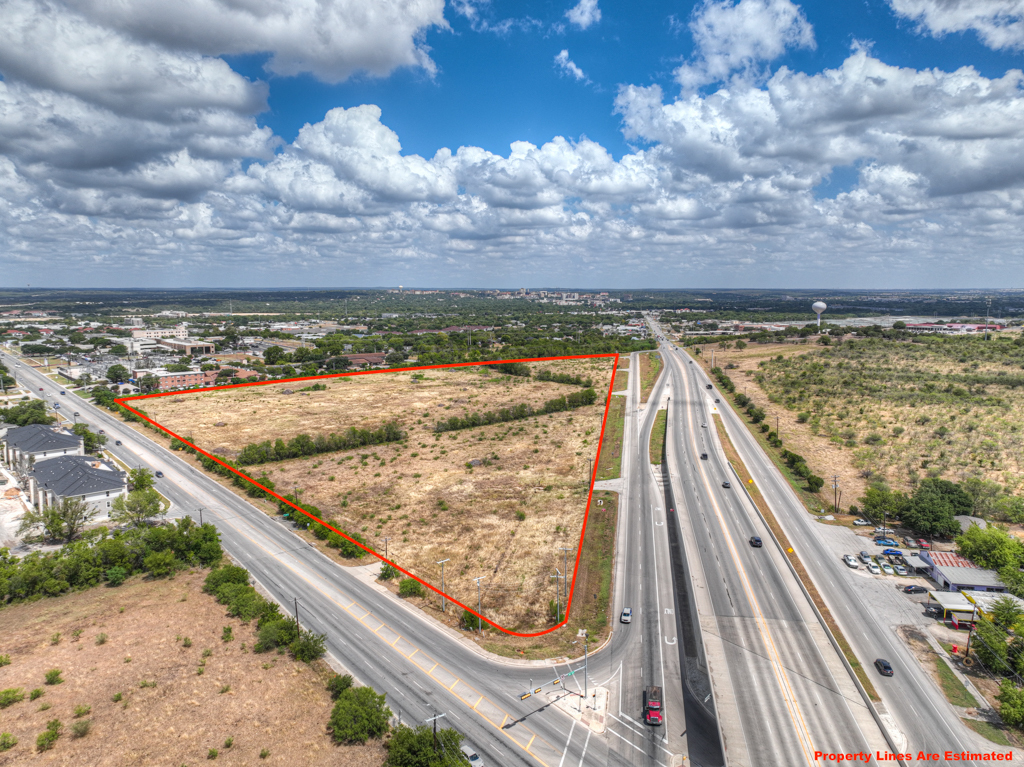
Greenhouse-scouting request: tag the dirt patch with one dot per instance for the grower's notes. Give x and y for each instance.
(496, 501)
(273, 703)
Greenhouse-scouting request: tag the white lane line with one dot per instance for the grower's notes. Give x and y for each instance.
(566, 749)
(585, 744)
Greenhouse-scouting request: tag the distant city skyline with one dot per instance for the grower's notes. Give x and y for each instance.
(475, 144)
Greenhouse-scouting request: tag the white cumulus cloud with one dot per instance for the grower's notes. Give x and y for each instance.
(568, 66)
(998, 23)
(731, 37)
(584, 13)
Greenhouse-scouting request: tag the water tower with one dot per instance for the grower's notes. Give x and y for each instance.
(818, 307)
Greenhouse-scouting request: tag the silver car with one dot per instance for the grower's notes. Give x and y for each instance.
(850, 561)
(627, 615)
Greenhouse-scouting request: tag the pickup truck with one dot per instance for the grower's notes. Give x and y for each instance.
(652, 705)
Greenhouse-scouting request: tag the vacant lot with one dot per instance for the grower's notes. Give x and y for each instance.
(896, 410)
(272, 702)
(497, 501)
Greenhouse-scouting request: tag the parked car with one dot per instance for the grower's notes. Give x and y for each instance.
(755, 541)
(915, 589)
(873, 569)
(910, 543)
(900, 569)
(885, 542)
(627, 615)
(726, 485)
(885, 531)
(887, 569)
(923, 543)
(892, 553)
(883, 666)
(851, 561)
(861, 522)
(865, 557)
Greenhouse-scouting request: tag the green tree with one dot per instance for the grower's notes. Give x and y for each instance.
(149, 382)
(160, 563)
(136, 507)
(119, 350)
(881, 502)
(61, 521)
(1011, 703)
(815, 483)
(418, 747)
(273, 355)
(984, 494)
(1006, 611)
(990, 646)
(140, 479)
(117, 374)
(931, 509)
(358, 715)
(90, 441)
(992, 547)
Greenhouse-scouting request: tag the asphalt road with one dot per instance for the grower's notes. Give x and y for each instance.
(423, 667)
(782, 672)
(924, 719)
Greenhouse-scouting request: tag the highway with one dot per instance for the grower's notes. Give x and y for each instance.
(423, 667)
(923, 719)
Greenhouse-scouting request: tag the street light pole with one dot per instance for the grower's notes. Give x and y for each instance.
(386, 550)
(565, 578)
(558, 597)
(442, 581)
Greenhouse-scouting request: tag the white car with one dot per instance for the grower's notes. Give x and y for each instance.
(861, 522)
(627, 615)
(873, 568)
(901, 570)
(851, 561)
(887, 569)
(472, 757)
(885, 531)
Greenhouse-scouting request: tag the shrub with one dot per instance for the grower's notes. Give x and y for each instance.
(81, 728)
(803, 417)
(225, 688)
(46, 739)
(81, 710)
(101, 638)
(11, 696)
(7, 741)
(815, 483)
(117, 697)
(211, 754)
(387, 572)
(55, 638)
(5, 660)
(227, 574)
(229, 743)
(160, 563)
(410, 587)
(116, 576)
(358, 715)
(408, 746)
(53, 676)
(227, 635)
(186, 642)
(520, 515)
(36, 693)
(472, 622)
(264, 753)
(308, 647)
(337, 684)
(276, 633)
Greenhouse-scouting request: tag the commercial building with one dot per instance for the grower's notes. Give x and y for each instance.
(188, 346)
(955, 573)
(37, 442)
(178, 331)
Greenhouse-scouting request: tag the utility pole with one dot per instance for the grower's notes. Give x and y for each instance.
(479, 609)
(296, 612)
(565, 579)
(558, 597)
(835, 491)
(200, 516)
(442, 581)
(434, 720)
(386, 552)
(988, 311)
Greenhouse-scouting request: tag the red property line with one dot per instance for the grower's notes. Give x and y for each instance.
(593, 474)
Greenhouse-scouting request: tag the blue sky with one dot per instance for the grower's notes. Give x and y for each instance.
(727, 143)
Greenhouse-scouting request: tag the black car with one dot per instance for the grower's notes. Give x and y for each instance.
(883, 666)
(118, 442)
(755, 541)
(914, 589)
(159, 475)
(703, 456)
(726, 485)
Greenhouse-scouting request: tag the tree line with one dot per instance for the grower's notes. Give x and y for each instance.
(304, 445)
(517, 412)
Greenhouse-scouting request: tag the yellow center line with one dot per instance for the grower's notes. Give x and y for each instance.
(793, 708)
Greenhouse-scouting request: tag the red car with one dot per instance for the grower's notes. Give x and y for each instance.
(921, 542)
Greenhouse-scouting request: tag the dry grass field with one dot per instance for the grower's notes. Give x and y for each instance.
(892, 410)
(503, 517)
(273, 703)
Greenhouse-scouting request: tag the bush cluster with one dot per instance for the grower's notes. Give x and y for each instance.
(303, 444)
(359, 714)
(517, 412)
(100, 555)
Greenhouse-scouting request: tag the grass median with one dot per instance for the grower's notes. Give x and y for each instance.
(658, 436)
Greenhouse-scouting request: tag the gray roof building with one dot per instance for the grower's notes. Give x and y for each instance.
(78, 475)
(38, 438)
